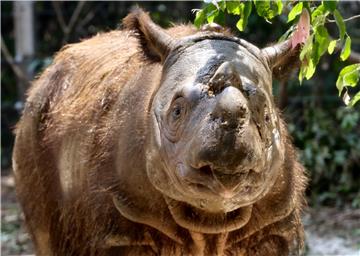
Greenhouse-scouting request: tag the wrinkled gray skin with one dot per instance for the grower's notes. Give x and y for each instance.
(215, 140)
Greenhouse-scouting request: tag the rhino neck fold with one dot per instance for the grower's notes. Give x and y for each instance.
(197, 220)
(155, 215)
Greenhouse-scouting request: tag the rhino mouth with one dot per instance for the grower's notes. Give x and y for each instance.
(214, 181)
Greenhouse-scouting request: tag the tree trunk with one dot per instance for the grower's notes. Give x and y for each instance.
(24, 42)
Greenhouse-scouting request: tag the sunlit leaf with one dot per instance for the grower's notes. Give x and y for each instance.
(323, 40)
(332, 46)
(233, 7)
(296, 10)
(268, 9)
(340, 23)
(318, 16)
(310, 70)
(210, 16)
(245, 10)
(345, 53)
(222, 5)
(349, 76)
(209, 13)
(262, 7)
(307, 47)
(199, 18)
(355, 99)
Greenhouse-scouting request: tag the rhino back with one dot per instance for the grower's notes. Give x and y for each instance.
(95, 94)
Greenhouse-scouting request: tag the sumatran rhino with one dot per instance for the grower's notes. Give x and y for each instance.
(145, 141)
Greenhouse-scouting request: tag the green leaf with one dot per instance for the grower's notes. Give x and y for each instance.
(208, 13)
(220, 18)
(245, 10)
(233, 7)
(307, 47)
(268, 9)
(340, 23)
(310, 70)
(316, 52)
(279, 6)
(355, 99)
(332, 46)
(349, 76)
(296, 10)
(240, 24)
(199, 18)
(345, 53)
(210, 16)
(330, 5)
(318, 16)
(222, 5)
(322, 42)
(319, 11)
(262, 7)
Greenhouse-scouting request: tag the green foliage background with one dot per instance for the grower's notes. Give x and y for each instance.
(325, 131)
(308, 20)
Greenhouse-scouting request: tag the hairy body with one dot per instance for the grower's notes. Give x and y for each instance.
(89, 168)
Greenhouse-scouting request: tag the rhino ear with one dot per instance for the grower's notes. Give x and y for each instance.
(282, 58)
(155, 41)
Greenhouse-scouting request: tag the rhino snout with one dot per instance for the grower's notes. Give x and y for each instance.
(231, 109)
(222, 148)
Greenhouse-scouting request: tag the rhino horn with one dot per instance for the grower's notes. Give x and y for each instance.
(282, 58)
(155, 41)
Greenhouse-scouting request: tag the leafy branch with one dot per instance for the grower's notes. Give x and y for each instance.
(302, 13)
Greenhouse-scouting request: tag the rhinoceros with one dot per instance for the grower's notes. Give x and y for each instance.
(151, 141)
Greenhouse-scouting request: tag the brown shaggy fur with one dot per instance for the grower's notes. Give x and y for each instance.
(74, 116)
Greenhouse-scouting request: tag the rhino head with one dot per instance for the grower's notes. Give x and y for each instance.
(215, 138)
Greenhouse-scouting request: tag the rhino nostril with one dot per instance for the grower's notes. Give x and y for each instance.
(206, 169)
(243, 111)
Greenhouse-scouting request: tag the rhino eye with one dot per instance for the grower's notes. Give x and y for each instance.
(176, 111)
(175, 118)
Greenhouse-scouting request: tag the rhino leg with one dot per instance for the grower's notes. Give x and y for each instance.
(271, 246)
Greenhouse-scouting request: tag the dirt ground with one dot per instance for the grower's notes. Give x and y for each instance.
(329, 231)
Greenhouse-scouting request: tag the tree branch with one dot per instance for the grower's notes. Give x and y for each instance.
(67, 28)
(87, 18)
(59, 16)
(74, 18)
(10, 60)
(348, 19)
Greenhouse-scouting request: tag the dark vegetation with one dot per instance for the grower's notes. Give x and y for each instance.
(325, 131)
